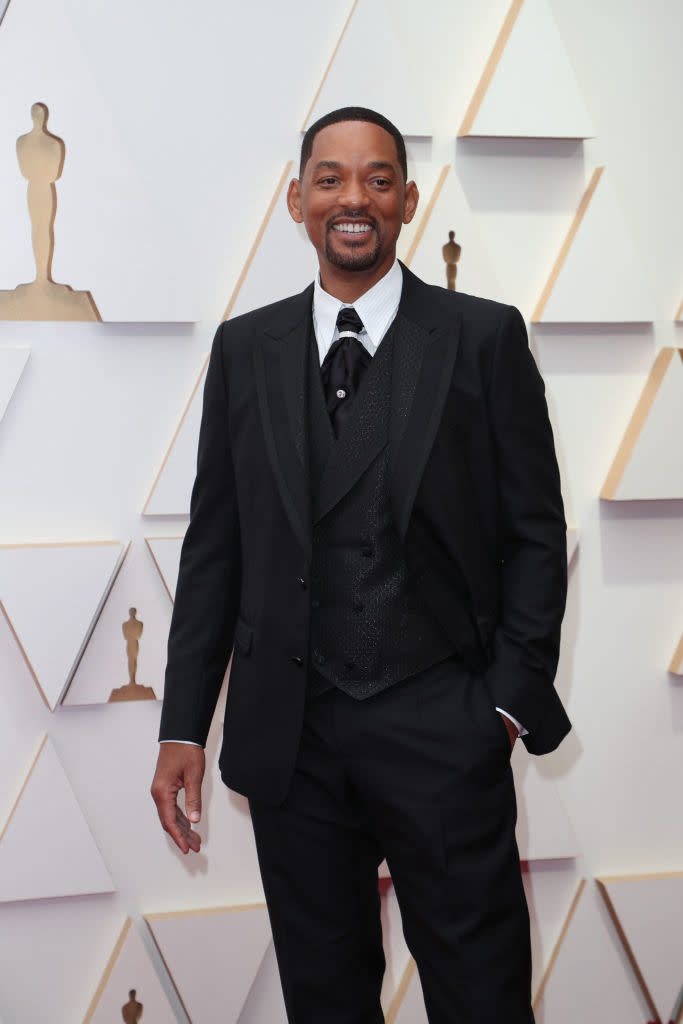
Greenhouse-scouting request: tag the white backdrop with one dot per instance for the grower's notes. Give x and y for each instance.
(178, 122)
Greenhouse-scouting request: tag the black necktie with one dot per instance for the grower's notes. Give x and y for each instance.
(343, 368)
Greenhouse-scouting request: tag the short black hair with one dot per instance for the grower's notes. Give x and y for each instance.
(353, 114)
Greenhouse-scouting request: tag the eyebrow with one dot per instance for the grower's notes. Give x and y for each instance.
(375, 165)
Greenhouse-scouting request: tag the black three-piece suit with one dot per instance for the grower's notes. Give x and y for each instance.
(384, 592)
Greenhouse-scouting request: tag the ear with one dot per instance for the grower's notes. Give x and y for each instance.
(410, 202)
(294, 201)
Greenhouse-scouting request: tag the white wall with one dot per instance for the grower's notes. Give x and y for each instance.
(192, 111)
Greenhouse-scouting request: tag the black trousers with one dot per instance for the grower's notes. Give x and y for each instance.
(419, 774)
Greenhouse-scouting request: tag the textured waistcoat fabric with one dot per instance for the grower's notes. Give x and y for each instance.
(368, 630)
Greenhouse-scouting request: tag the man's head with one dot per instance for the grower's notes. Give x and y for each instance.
(353, 197)
(353, 114)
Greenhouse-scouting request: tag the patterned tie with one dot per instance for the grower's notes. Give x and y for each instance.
(343, 368)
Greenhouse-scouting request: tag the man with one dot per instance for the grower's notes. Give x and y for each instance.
(377, 528)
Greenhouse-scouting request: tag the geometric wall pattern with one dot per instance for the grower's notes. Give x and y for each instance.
(107, 228)
(12, 364)
(129, 977)
(584, 966)
(166, 554)
(449, 210)
(676, 664)
(104, 664)
(645, 908)
(52, 632)
(46, 847)
(513, 98)
(590, 283)
(649, 462)
(374, 83)
(191, 942)
(100, 193)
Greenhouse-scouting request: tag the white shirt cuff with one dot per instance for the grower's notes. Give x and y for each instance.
(521, 731)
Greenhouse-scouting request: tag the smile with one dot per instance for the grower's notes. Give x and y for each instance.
(352, 228)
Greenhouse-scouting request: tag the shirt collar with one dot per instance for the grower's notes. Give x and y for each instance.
(377, 308)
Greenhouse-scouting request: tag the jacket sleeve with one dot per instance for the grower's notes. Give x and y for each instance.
(209, 579)
(532, 546)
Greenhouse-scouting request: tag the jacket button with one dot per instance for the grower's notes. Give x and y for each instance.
(298, 661)
(315, 603)
(302, 582)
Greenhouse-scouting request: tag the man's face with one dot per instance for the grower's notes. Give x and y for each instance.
(353, 201)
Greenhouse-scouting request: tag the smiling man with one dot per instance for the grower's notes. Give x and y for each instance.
(377, 534)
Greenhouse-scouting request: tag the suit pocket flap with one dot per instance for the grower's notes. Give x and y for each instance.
(243, 636)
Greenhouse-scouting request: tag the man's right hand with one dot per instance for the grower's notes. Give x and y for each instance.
(179, 766)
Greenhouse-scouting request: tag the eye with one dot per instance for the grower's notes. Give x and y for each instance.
(327, 181)
(381, 182)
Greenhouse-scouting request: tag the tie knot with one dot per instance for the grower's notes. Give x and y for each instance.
(348, 322)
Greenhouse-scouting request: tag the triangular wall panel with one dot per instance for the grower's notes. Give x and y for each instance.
(376, 81)
(165, 552)
(134, 270)
(513, 98)
(598, 275)
(572, 543)
(586, 979)
(649, 462)
(676, 664)
(188, 942)
(46, 847)
(12, 364)
(647, 912)
(130, 969)
(104, 664)
(448, 210)
(51, 595)
(280, 262)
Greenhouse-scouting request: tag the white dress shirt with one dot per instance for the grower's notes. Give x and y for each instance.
(377, 309)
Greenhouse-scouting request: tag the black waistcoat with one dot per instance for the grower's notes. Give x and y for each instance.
(368, 629)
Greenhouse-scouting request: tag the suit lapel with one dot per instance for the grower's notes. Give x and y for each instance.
(280, 367)
(426, 346)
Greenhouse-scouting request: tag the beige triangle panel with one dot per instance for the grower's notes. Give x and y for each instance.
(558, 944)
(567, 244)
(130, 988)
(408, 981)
(327, 69)
(490, 69)
(187, 941)
(679, 315)
(676, 666)
(165, 552)
(177, 501)
(662, 394)
(424, 220)
(34, 579)
(259, 235)
(646, 911)
(70, 864)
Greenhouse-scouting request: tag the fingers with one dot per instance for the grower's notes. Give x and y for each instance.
(180, 766)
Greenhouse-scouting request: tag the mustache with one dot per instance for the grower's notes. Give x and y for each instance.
(350, 215)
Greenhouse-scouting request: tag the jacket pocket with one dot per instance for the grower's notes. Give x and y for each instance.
(243, 636)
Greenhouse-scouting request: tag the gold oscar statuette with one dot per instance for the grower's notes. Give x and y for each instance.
(41, 161)
(132, 631)
(451, 254)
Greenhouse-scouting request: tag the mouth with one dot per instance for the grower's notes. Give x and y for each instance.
(355, 230)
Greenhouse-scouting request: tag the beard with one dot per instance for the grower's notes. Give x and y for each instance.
(354, 257)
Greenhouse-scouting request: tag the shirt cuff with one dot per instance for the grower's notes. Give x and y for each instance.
(521, 731)
(190, 743)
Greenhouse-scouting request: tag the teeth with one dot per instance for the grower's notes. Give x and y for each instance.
(352, 229)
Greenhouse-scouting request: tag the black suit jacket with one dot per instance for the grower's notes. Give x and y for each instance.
(476, 493)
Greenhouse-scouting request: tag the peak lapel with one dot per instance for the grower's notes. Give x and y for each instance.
(280, 367)
(426, 345)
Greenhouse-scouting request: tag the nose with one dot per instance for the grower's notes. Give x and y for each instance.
(354, 195)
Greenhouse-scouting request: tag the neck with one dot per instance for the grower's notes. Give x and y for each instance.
(349, 285)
